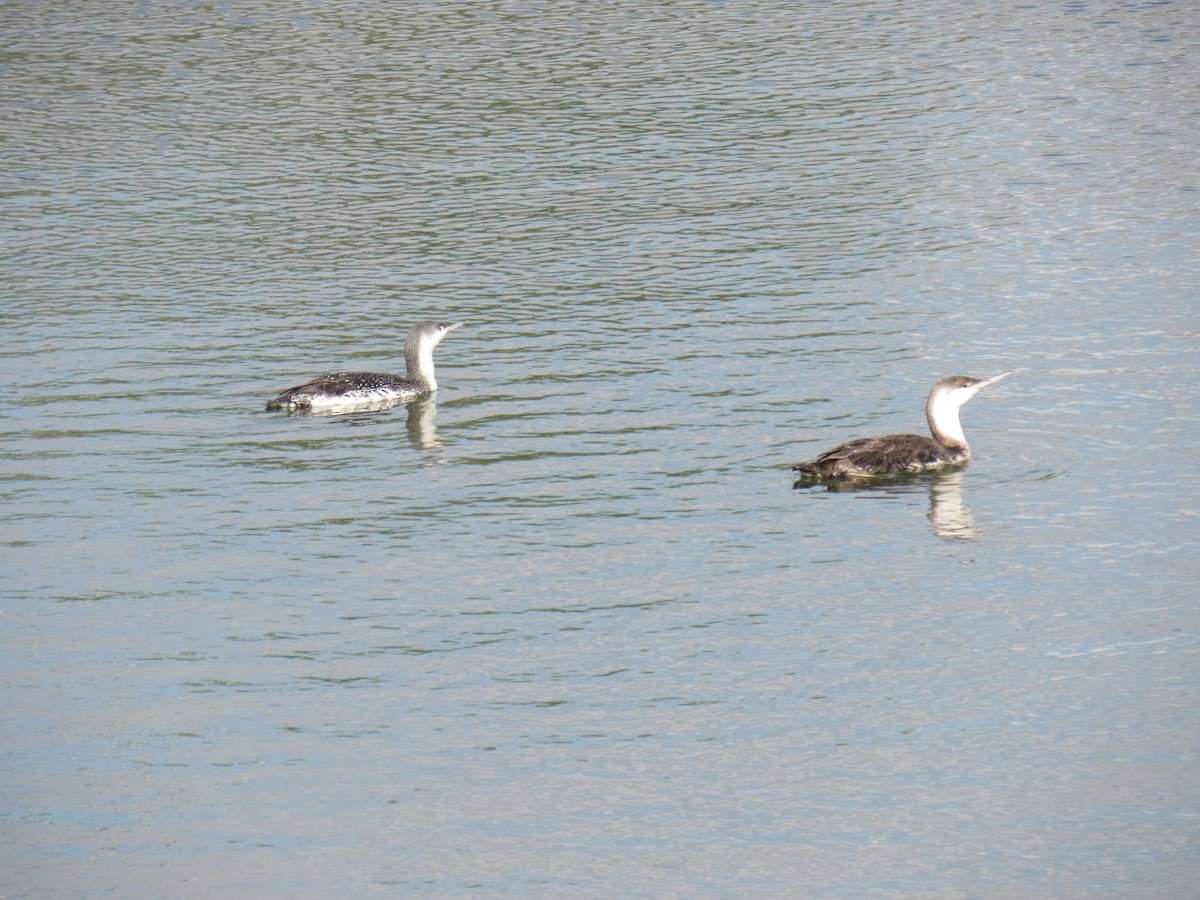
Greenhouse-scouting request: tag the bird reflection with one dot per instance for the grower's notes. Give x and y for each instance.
(949, 516)
(422, 433)
(358, 414)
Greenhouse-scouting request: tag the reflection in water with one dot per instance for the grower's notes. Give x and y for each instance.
(353, 412)
(422, 433)
(948, 515)
(419, 425)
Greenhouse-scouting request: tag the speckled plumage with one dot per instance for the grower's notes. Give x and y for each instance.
(348, 389)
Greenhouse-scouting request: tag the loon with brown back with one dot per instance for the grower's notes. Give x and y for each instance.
(896, 453)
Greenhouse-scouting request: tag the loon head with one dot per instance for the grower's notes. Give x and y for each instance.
(946, 399)
(955, 391)
(428, 334)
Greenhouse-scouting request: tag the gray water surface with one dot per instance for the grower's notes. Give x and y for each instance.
(568, 629)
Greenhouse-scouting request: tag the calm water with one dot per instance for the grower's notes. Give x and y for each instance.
(570, 630)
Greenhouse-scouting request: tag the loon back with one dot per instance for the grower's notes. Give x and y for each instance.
(348, 389)
(880, 455)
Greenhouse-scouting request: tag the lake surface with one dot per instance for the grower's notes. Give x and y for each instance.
(570, 630)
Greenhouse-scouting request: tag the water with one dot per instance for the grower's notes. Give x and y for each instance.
(570, 630)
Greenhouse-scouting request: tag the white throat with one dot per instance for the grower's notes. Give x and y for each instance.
(942, 413)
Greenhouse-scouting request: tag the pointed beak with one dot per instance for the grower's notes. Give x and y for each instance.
(450, 328)
(979, 387)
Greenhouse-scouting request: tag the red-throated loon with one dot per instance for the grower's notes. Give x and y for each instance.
(894, 453)
(347, 390)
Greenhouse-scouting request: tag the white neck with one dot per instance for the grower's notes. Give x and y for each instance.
(942, 413)
(419, 360)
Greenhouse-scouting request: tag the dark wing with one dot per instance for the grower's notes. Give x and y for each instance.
(877, 456)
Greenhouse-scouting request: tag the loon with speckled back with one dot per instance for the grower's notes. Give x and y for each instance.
(347, 390)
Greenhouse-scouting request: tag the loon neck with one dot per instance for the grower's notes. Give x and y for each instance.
(418, 357)
(942, 413)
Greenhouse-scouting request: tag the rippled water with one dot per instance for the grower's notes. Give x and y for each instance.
(570, 630)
